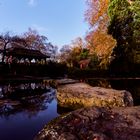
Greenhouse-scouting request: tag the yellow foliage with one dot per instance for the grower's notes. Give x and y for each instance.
(98, 40)
(96, 14)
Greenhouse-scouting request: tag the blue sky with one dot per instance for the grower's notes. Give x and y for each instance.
(60, 20)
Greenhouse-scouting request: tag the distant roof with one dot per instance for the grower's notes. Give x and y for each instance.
(21, 52)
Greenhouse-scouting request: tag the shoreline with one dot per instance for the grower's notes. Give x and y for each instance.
(30, 78)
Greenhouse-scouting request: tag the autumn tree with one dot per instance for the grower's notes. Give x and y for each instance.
(6, 40)
(34, 40)
(98, 40)
(96, 14)
(74, 52)
(64, 54)
(77, 43)
(39, 42)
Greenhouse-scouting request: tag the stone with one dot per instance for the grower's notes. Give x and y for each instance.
(80, 95)
(95, 123)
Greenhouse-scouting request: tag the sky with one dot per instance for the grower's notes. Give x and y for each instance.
(60, 20)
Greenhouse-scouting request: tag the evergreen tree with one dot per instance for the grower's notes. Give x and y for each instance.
(125, 28)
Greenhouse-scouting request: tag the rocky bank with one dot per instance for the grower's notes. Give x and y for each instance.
(95, 123)
(104, 114)
(80, 95)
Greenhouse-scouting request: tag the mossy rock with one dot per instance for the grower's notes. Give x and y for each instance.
(80, 95)
(95, 123)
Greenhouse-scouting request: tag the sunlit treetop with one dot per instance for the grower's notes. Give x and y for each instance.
(96, 14)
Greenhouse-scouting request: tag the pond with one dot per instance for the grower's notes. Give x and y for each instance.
(26, 107)
(131, 85)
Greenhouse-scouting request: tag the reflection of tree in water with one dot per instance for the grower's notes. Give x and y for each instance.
(27, 89)
(32, 105)
(100, 83)
(30, 98)
(131, 85)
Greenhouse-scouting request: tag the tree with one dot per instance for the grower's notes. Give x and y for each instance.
(135, 9)
(52, 51)
(125, 28)
(64, 56)
(94, 61)
(96, 14)
(98, 40)
(77, 43)
(73, 53)
(84, 54)
(39, 42)
(6, 39)
(36, 41)
(77, 51)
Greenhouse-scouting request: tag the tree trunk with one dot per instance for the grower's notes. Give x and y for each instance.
(4, 52)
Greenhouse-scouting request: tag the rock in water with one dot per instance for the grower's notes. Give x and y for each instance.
(94, 123)
(80, 95)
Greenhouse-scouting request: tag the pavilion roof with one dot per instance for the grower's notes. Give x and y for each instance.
(21, 52)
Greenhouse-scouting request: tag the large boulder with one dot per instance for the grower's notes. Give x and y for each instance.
(80, 95)
(94, 123)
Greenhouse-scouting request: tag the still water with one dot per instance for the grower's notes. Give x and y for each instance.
(131, 85)
(25, 108)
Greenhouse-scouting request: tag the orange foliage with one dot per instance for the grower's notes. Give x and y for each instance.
(103, 43)
(96, 15)
(98, 40)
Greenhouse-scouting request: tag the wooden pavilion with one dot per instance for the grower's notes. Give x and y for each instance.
(22, 53)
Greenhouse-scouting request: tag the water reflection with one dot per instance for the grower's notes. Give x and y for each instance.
(29, 97)
(132, 85)
(25, 108)
(99, 83)
(30, 88)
